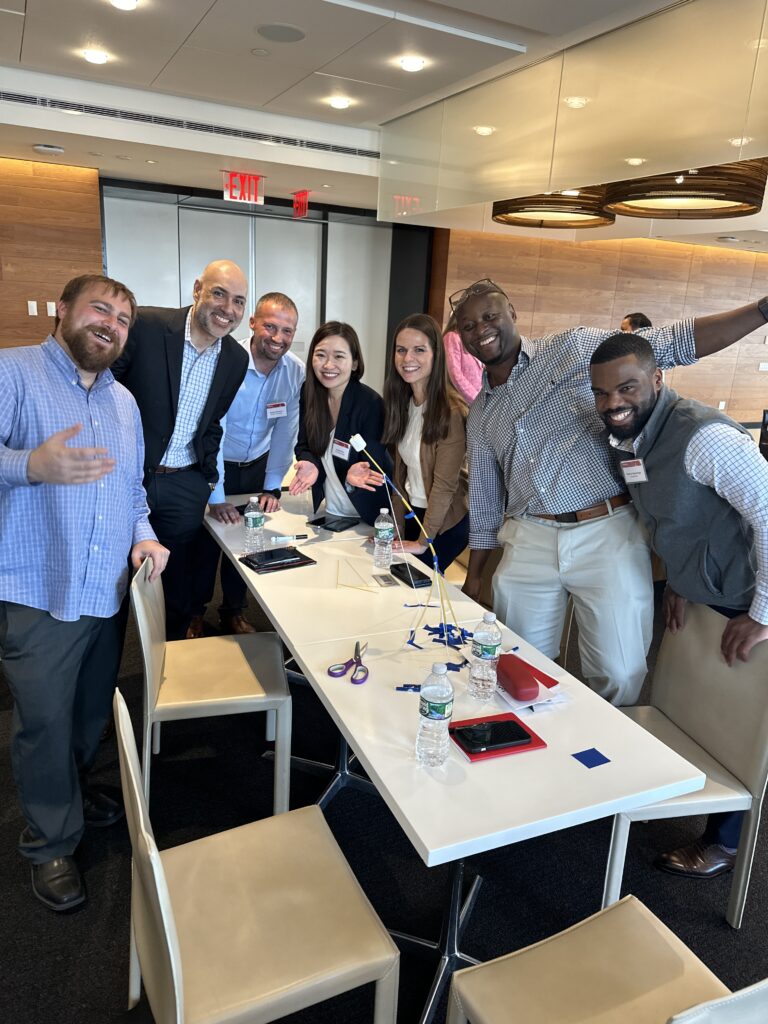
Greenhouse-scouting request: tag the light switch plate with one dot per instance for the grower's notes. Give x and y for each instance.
(32, 307)
(51, 307)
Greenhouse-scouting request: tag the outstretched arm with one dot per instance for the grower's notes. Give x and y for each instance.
(718, 331)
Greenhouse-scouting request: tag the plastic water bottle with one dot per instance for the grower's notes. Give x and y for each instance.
(254, 526)
(486, 647)
(435, 710)
(385, 534)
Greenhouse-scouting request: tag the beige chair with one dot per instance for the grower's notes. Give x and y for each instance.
(620, 966)
(251, 924)
(219, 675)
(716, 717)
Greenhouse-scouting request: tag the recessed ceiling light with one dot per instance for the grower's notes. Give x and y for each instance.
(412, 63)
(150, 161)
(260, 52)
(125, 5)
(743, 140)
(483, 129)
(122, 156)
(635, 161)
(281, 33)
(96, 56)
(340, 102)
(92, 152)
(576, 102)
(393, 162)
(327, 186)
(727, 238)
(47, 149)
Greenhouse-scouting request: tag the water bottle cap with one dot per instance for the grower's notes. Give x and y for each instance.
(489, 617)
(439, 668)
(384, 511)
(254, 499)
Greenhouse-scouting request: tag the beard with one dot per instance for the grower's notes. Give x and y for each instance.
(634, 425)
(88, 353)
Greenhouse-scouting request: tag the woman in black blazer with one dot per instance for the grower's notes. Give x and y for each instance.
(334, 407)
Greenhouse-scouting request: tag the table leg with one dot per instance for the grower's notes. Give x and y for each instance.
(450, 958)
(343, 776)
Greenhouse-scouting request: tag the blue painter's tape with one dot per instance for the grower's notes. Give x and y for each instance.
(591, 758)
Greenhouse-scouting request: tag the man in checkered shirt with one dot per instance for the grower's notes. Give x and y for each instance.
(543, 484)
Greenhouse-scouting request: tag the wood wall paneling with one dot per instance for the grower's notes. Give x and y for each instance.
(50, 231)
(555, 285)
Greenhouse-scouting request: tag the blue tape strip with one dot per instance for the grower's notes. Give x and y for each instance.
(409, 515)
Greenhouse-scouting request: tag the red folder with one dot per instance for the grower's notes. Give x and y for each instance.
(536, 741)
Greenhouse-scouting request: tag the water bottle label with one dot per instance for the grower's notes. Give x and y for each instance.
(485, 651)
(386, 534)
(438, 711)
(254, 520)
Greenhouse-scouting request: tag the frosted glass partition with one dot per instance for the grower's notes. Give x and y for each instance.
(142, 249)
(206, 236)
(357, 289)
(288, 259)
(409, 165)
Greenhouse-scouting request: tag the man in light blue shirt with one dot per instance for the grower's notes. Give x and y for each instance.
(260, 431)
(72, 510)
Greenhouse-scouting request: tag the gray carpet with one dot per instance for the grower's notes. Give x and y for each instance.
(72, 969)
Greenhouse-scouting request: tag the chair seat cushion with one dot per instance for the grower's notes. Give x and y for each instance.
(621, 966)
(261, 906)
(722, 791)
(222, 675)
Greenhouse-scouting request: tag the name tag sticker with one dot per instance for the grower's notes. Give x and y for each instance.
(633, 471)
(275, 410)
(340, 450)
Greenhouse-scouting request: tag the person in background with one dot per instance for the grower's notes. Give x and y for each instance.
(425, 427)
(335, 405)
(255, 454)
(635, 322)
(72, 510)
(700, 487)
(183, 368)
(464, 370)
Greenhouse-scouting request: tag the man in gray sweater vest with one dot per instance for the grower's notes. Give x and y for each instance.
(700, 487)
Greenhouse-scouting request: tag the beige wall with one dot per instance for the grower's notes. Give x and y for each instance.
(556, 284)
(50, 231)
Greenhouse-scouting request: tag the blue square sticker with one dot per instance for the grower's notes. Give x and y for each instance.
(591, 758)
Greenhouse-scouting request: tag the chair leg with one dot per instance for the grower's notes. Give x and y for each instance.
(385, 1004)
(271, 726)
(134, 972)
(282, 794)
(456, 1013)
(146, 757)
(617, 853)
(155, 737)
(743, 867)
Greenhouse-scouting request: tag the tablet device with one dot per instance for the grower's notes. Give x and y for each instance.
(336, 524)
(272, 558)
(410, 575)
(493, 735)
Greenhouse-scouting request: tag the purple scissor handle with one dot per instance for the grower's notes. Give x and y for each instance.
(359, 672)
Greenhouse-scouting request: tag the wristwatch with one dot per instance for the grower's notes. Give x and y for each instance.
(762, 305)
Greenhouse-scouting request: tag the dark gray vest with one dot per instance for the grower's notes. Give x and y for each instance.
(705, 543)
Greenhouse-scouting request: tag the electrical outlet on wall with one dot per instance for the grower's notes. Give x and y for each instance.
(51, 307)
(31, 307)
(721, 405)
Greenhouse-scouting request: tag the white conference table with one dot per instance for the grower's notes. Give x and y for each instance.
(462, 808)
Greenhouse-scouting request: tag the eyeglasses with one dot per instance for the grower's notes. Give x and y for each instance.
(478, 288)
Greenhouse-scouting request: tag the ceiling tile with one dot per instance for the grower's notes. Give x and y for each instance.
(11, 29)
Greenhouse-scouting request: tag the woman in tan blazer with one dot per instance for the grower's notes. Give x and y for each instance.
(425, 430)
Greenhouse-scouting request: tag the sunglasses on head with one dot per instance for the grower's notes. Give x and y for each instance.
(481, 287)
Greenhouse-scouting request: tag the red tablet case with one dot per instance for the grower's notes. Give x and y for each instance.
(536, 741)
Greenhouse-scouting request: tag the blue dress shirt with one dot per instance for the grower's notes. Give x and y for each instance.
(64, 547)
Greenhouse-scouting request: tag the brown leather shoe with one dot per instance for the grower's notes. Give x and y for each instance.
(237, 624)
(699, 860)
(195, 629)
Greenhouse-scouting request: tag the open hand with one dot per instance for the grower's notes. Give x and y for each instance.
(306, 475)
(52, 462)
(361, 474)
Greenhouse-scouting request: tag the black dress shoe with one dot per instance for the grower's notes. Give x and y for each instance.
(99, 809)
(699, 860)
(58, 884)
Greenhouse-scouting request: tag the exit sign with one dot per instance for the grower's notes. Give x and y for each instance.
(243, 187)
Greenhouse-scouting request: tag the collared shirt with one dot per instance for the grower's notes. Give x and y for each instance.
(64, 547)
(264, 416)
(728, 461)
(197, 370)
(536, 443)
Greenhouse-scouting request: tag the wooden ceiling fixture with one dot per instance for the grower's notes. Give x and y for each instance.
(574, 208)
(728, 190)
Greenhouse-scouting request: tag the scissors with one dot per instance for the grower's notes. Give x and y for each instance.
(359, 672)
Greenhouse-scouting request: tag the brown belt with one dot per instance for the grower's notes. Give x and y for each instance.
(175, 469)
(603, 508)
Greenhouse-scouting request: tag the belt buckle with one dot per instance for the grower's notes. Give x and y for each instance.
(567, 517)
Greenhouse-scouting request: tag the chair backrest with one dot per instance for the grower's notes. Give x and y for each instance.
(151, 912)
(748, 1006)
(149, 611)
(723, 709)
